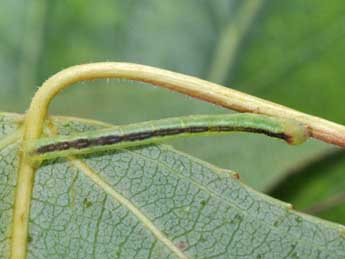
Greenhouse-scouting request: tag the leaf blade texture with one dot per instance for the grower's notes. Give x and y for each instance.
(201, 210)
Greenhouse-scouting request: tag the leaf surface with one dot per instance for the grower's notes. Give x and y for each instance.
(152, 202)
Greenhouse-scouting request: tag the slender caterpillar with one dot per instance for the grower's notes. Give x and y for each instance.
(155, 131)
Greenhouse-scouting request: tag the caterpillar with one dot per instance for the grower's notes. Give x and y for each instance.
(150, 132)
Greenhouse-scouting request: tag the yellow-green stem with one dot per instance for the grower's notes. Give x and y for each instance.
(321, 129)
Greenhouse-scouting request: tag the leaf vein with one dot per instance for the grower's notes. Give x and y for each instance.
(106, 187)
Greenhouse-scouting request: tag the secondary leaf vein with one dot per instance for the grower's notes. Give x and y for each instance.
(89, 172)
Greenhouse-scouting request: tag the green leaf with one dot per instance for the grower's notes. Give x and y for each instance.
(317, 188)
(294, 57)
(151, 202)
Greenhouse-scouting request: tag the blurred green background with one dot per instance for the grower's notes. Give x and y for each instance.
(290, 52)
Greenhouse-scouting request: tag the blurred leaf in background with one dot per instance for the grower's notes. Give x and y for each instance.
(318, 188)
(290, 52)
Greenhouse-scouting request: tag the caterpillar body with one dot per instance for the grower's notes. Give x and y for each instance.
(155, 131)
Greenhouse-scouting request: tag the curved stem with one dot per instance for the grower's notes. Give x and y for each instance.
(232, 99)
(319, 128)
